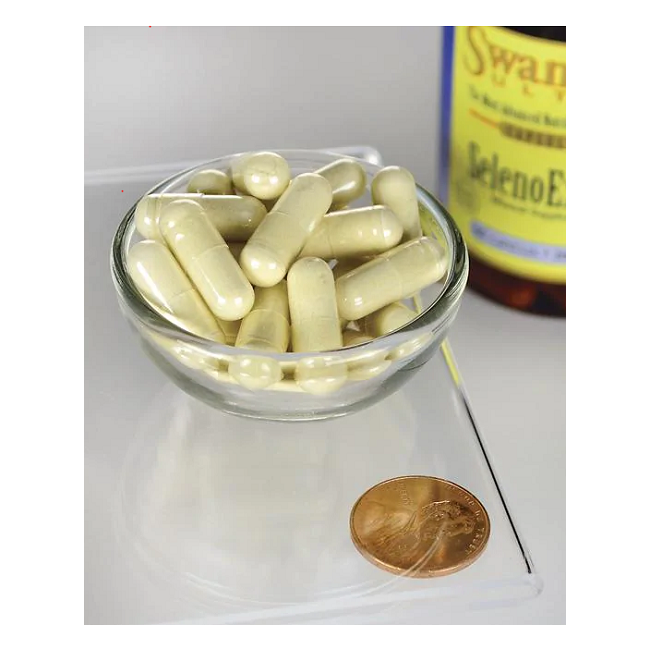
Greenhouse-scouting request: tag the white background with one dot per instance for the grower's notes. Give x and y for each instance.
(163, 95)
(170, 94)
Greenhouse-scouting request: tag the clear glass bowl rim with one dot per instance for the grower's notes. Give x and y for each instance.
(433, 318)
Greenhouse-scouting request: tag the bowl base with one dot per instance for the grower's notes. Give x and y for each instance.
(255, 408)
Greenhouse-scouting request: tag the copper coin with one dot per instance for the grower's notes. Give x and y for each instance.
(419, 526)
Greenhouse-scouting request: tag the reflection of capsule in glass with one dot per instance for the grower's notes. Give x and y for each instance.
(366, 365)
(321, 375)
(391, 318)
(189, 355)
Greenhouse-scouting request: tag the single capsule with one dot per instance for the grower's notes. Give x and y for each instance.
(264, 175)
(390, 318)
(280, 237)
(347, 178)
(354, 233)
(235, 217)
(205, 257)
(312, 304)
(255, 372)
(387, 319)
(163, 283)
(265, 328)
(368, 364)
(394, 187)
(210, 181)
(389, 277)
(320, 375)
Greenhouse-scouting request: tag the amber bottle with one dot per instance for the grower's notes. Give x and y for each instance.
(503, 160)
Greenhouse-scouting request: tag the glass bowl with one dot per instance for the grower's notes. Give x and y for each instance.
(314, 385)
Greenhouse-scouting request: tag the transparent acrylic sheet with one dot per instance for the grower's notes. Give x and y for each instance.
(249, 520)
(196, 516)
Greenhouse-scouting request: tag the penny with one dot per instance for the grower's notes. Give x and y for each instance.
(419, 526)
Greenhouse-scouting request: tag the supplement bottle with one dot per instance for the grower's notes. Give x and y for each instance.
(503, 159)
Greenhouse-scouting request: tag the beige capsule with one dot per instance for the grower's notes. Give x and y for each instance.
(280, 237)
(264, 175)
(207, 260)
(255, 372)
(368, 364)
(312, 305)
(235, 217)
(341, 268)
(231, 327)
(163, 283)
(390, 318)
(389, 277)
(410, 347)
(395, 188)
(387, 319)
(347, 178)
(265, 328)
(354, 233)
(320, 375)
(210, 181)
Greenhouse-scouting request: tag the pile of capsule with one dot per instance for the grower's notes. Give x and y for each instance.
(258, 260)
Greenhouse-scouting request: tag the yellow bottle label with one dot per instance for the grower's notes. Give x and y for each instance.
(507, 150)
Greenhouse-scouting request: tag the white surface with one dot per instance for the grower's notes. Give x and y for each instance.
(513, 366)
